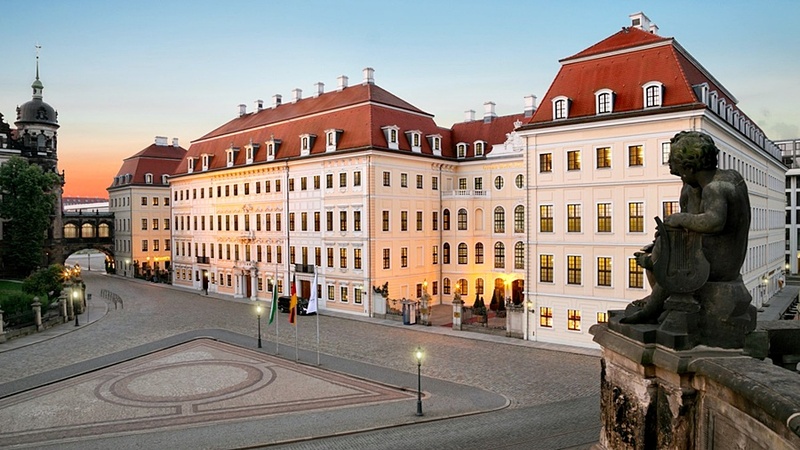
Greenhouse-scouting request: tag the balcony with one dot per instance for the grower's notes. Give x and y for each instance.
(203, 260)
(304, 268)
(466, 193)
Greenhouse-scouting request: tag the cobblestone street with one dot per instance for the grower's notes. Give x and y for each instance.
(527, 376)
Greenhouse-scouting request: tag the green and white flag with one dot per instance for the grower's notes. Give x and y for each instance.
(274, 306)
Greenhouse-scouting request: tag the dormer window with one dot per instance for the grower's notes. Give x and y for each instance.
(604, 101)
(461, 150)
(148, 178)
(272, 148)
(205, 160)
(391, 132)
(653, 94)
(480, 148)
(332, 138)
(230, 155)
(165, 179)
(435, 141)
(190, 167)
(306, 143)
(250, 152)
(713, 103)
(415, 139)
(560, 107)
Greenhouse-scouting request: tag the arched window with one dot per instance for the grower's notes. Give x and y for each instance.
(103, 230)
(479, 253)
(519, 219)
(446, 253)
(462, 253)
(463, 287)
(462, 219)
(499, 256)
(479, 286)
(70, 231)
(148, 178)
(499, 220)
(519, 255)
(87, 230)
(446, 286)
(446, 219)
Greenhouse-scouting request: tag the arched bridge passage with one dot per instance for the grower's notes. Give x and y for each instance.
(88, 231)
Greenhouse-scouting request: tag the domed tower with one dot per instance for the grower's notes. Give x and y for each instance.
(37, 125)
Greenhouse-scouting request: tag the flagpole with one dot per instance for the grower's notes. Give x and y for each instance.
(314, 293)
(275, 299)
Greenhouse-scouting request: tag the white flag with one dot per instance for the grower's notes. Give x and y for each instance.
(312, 301)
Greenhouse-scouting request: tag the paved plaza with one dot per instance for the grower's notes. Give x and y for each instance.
(176, 369)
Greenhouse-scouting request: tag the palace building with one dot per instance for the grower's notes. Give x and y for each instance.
(544, 208)
(596, 159)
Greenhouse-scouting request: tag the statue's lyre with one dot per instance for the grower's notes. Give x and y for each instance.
(681, 267)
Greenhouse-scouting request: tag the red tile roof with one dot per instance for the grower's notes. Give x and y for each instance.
(623, 63)
(155, 159)
(493, 132)
(360, 111)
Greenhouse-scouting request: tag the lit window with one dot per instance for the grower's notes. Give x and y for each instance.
(665, 149)
(343, 294)
(462, 253)
(519, 181)
(462, 219)
(603, 157)
(635, 155)
(461, 151)
(387, 179)
(519, 219)
(546, 317)
(635, 274)
(519, 256)
(446, 220)
(342, 179)
(670, 208)
(499, 255)
(404, 180)
(546, 268)
(604, 217)
(446, 253)
(545, 218)
(479, 145)
(498, 182)
(546, 162)
(419, 220)
(574, 160)
(385, 220)
(602, 317)
(479, 253)
(499, 220)
(604, 271)
(574, 218)
(403, 220)
(573, 269)
(636, 217)
(574, 320)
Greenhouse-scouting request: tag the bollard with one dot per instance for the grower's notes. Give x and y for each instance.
(37, 311)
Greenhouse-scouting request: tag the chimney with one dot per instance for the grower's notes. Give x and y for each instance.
(342, 79)
(319, 88)
(469, 115)
(259, 105)
(276, 100)
(161, 140)
(488, 112)
(297, 94)
(369, 76)
(175, 142)
(242, 109)
(530, 105)
(642, 22)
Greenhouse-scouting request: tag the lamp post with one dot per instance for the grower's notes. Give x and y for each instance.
(418, 355)
(258, 312)
(75, 299)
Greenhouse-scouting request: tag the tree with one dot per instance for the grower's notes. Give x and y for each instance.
(26, 205)
(47, 282)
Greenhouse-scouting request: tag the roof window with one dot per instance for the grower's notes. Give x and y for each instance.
(653, 94)
(561, 107)
(391, 132)
(604, 101)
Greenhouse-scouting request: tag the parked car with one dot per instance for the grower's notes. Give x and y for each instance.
(302, 304)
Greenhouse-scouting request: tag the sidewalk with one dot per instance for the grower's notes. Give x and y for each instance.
(97, 309)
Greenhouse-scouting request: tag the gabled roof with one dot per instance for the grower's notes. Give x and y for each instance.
(623, 63)
(157, 160)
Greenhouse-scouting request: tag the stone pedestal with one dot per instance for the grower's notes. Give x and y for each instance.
(458, 310)
(62, 302)
(647, 397)
(425, 311)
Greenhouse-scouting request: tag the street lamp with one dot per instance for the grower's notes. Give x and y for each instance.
(418, 355)
(258, 312)
(75, 299)
(529, 307)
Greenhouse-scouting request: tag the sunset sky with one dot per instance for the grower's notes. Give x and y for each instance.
(121, 73)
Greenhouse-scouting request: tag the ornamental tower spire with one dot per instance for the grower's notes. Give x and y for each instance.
(37, 85)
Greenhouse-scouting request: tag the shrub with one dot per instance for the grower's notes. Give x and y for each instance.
(15, 302)
(45, 283)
